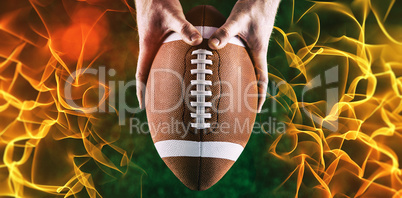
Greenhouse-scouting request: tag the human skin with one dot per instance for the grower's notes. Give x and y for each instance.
(251, 20)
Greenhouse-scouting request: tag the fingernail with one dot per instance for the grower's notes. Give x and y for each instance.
(195, 37)
(215, 42)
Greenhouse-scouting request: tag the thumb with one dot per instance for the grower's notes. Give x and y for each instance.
(221, 37)
(187, 31)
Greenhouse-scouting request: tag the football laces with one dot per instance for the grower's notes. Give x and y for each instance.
(201, 84)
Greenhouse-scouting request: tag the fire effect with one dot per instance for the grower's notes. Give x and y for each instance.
(47, 145)
(362, 156)
(45, 142)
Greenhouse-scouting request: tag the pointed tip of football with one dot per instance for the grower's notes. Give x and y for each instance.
(198, 173)
(205, 15)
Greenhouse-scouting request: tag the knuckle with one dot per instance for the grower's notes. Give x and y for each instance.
(263, 80)
(256, 46)
(224, 32)
(140, 74)
(184, 28)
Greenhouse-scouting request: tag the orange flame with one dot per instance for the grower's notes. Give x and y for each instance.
(45, 143)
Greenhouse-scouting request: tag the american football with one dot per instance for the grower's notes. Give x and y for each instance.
(201, 103)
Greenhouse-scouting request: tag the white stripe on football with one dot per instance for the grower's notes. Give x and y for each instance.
(185, 148)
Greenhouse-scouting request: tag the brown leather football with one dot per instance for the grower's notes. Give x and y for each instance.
(201, 103)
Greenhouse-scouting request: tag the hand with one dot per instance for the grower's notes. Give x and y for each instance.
(253, 21)
(156, 19)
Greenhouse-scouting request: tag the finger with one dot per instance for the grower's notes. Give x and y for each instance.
(146, 55)
(221, 37)
(187, 31)
(260, 62)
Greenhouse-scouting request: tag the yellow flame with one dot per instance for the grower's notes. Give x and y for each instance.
(361, 158)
